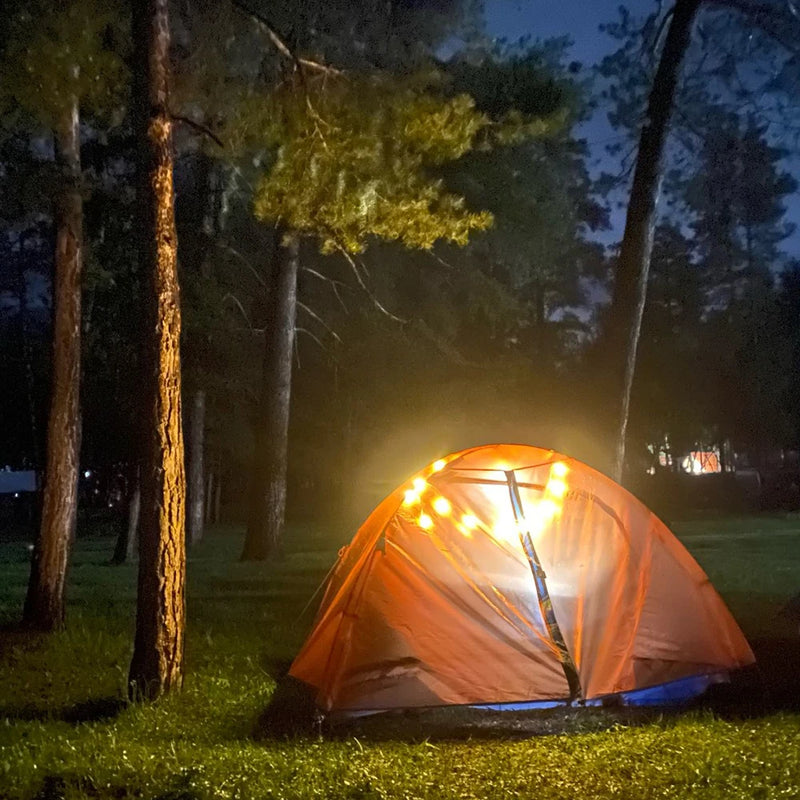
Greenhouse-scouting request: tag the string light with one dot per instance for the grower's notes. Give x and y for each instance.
(441, 505)
(411, 497)
(469, 521)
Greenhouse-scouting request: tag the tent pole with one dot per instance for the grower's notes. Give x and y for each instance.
(539, 580)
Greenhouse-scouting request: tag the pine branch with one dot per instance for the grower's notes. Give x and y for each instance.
(366, 289)
(319, 319)
(281, 46)
(197, 126)
(312, 336)
(763, 16)
(334, 285)
(244, 261)
(238, 304)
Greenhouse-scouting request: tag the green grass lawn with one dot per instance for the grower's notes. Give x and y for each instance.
(64, 731)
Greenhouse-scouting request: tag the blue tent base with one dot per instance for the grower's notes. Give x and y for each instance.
(673, 693)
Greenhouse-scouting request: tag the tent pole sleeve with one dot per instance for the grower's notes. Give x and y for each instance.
(540, 581)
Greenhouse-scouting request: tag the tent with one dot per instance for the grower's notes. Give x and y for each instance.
(507, 576)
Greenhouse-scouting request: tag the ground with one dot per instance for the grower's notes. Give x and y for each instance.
(65, 732)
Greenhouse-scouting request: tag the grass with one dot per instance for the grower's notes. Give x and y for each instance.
(64, 732)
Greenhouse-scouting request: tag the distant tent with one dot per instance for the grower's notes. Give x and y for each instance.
(510, 576)
(702, 462)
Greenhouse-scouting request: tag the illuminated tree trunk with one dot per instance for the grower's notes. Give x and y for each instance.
(45, 601)
(195, 479)
(157, 665)
(268, 491)
(633, 266)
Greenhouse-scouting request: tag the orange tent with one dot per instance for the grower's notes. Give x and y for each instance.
(510, 576)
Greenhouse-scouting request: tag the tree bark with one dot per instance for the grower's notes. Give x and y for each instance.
(157, 664)
(268, 490)
(195, 484)
(45, 601)
(633, 267)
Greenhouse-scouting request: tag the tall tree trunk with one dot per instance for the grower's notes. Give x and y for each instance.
(157, 664)
(268, 491)
(45, 601)
(633, 267)
(195, 484)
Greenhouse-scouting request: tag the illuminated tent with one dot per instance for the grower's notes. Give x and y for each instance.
(509, 576)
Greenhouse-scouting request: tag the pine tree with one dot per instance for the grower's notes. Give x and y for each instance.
(55, 62)
(157, 664)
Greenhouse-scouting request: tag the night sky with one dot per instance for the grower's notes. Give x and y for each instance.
(580, 21)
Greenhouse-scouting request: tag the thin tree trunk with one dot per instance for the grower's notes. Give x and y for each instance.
(209, 498)
(129, 535)
(157, 664)
(633, 267)
(268, 491)
(45, 601)
(194, 487)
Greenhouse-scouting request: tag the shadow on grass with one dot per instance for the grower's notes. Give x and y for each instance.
(95, 709)
(778, 661)
(15, 637)
(767, 688)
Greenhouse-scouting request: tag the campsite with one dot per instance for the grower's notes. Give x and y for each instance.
(68, 729)
(399, 399)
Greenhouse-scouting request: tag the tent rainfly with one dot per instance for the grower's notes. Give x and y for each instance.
(510, 577)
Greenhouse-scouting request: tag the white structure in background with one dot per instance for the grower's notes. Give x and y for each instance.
(15, 482)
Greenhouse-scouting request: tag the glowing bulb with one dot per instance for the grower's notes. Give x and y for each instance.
(547, 508)
(419, 485)
(439, 465)
(425, 522)
(556, 488)
(410, 497)
(469, 521)
(559, 469)
(441, 505)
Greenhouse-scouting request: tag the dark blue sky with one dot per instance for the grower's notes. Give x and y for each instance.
(543, 19)
(580, 21)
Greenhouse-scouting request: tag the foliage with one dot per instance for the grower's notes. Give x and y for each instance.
(351, 163)
(56, 51)
(737, 232)
(539, 191)
(65, 727)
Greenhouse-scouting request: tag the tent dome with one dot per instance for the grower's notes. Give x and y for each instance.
(508, 575)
